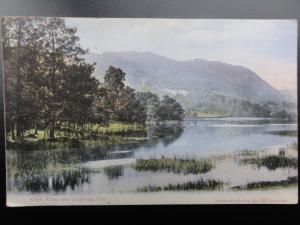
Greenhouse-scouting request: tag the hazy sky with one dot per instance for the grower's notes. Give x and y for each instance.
(268, 47)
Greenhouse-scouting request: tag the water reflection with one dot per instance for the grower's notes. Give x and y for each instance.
(44, 170)
(38, 181)
(167, 133)
(54, 171)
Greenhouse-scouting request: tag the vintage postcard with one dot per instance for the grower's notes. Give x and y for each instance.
(119, 111)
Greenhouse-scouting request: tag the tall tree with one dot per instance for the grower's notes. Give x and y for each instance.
(114, 86)
(78, 91)
(21, 46)
(61, 49)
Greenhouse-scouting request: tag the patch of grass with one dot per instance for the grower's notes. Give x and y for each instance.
(94, 131)
(120, 128)
(272, 162)
(268, 184)
(201, 184)
(175, 165)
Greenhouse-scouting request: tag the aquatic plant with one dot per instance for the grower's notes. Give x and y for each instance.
(176, 165)
(201, 184)
(113, 172)
(272, 162)
(267, 184)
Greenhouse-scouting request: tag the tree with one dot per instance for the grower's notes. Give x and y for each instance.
(49, 86)
(21, 62)
(169, 109)
(114, 85)
(38, 53)
(114, 79)
(129, 108)
(101, 107)
(150, 105)
(61, 48)
(77, 92)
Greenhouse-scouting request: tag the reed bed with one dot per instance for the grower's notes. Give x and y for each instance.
(175, 165)
(267, 184)
(201, 184)
(272, 162)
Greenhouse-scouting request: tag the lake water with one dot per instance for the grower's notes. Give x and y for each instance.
(99, 170)
(207, 136)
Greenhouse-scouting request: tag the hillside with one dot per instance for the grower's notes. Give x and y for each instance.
(196, 83)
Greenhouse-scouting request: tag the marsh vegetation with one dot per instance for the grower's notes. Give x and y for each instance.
(175, 165)
(159, 166)
(201, 184)
(289, 182)
(272, 162)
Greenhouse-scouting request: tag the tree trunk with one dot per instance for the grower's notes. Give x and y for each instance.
(18, 86)
(53, 88)
(35, 127)
(52, 129)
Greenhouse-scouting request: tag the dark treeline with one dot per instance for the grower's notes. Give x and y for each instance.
(49, 86)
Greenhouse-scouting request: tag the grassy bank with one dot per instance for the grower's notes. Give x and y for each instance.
(175, 165)
(120, 129)
(98, 136)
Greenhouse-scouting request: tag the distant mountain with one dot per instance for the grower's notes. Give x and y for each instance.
(196, 79)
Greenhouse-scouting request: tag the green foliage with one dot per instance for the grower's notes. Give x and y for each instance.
(169, 109)
(49, 86)
(175, 165)
(114, 79)
(78, 90)
(267, 184)
(272, 162)
(119, 128)
(201, 184)
(150, 104)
